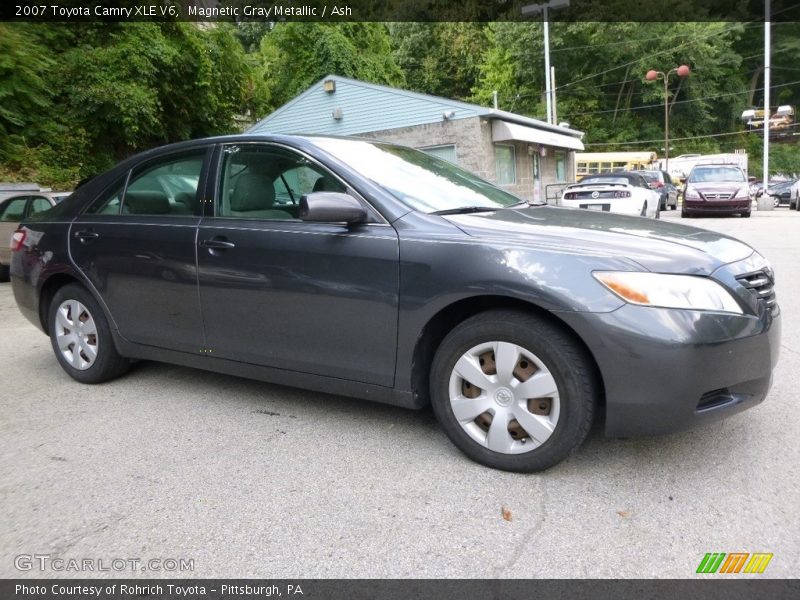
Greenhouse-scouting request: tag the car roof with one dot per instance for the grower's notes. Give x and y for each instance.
(31, 193)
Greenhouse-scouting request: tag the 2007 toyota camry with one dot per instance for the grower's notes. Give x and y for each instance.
(372, 270)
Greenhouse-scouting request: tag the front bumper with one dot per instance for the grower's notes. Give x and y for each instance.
(716, 206)
(665, 370)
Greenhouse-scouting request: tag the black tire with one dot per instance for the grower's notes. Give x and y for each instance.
(568, 363)
(685, 215)
(746, 215)
(792, 205)
(108, 364)
(4, 273)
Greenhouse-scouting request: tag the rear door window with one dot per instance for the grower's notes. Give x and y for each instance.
(39, 204)
(14, 210)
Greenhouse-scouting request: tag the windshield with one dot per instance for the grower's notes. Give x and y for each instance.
(651, 177)
(423, 182)
(622, 180)
(715, 174)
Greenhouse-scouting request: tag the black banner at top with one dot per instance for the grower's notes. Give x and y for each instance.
(395, 10)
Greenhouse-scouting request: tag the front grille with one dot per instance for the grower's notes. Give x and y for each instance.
(762, 284)
(718, 196)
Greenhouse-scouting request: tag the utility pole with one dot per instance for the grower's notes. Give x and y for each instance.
(549, 91)
(767, 61)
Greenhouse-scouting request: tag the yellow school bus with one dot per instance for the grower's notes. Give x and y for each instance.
(591, 163)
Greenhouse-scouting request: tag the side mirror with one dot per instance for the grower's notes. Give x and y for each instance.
(331, 207)
(759, 192)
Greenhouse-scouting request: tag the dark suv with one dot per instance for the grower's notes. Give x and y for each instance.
(716, 189)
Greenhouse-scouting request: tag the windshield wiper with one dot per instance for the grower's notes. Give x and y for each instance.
(466, 210)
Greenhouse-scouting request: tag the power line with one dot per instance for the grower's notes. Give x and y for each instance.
(661, 140)
(643, 58)
(715, 34)
(661, 104)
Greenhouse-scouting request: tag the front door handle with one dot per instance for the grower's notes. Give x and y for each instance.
(86, 235)
(217, 244)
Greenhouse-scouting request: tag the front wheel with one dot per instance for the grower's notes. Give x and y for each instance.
(512, 391)
(81, 337)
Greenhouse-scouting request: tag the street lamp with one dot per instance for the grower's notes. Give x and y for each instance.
(652, 75)
(535, 9)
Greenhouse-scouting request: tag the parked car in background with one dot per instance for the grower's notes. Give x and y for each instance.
(756, 189)
(661, 182)
(794, 196)
(361, 268)
(622, 192)
(59, 196)
(716, 189)
(781, 192)
(13, 210)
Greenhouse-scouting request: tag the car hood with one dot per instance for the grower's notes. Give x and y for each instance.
(656, 245)
(725, 187)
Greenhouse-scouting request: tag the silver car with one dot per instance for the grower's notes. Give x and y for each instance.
(15, 209)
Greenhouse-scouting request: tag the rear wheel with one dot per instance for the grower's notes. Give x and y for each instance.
(746, 215)
(81, 337)
(512, 391)
(4, 269)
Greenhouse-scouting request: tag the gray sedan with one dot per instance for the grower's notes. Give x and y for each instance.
(367, 269)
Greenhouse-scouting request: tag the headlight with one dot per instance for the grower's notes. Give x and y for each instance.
(691, 193)
(669, 291)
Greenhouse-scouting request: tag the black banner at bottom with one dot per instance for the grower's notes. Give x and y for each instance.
(397, 589)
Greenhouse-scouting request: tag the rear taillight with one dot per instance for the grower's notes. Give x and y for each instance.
(17, 240)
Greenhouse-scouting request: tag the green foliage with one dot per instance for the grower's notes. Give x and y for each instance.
(89, 95)
(442, 59)
(24, 93)
(74, 100)
(294, 55)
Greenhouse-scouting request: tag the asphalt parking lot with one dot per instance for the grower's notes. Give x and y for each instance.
(255, 480)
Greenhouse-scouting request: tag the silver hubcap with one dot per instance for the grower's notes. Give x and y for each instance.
(76, 334)
(504, 397)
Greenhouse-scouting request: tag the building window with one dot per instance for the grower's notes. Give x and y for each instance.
(443, 152)
(506, 169)
(561, 166)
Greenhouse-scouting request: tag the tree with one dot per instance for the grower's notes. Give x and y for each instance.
(442, 58)
(114, 89)
(295, 55)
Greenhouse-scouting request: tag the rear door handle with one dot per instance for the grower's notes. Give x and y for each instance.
(217, 244)
(86, 236)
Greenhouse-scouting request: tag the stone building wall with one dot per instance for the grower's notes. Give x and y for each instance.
(472, 139)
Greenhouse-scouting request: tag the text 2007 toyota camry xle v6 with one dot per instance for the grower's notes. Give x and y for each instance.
(360, 268)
